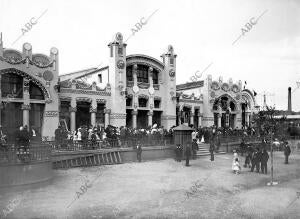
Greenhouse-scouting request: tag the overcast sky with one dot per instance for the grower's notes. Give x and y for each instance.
(201, 32)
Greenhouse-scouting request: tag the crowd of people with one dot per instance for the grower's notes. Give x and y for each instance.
(110, 136)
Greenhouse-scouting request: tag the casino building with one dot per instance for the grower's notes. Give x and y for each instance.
(131, 90)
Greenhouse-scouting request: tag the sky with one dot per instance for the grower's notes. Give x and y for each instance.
(266, 54)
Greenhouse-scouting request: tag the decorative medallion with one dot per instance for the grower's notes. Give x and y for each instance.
(48, 75)
(215, 85)
(135, 89)
(151, 106)
(212, 94)
(238, 97)
(235, 88)
(54, 50)
(27, 46)
(172, 73)
(151, 90)
(225, 87)
(121, 64)
(119, 37)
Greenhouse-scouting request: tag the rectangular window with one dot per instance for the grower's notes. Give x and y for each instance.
(142, 74)
(129, 75)
(100, 78)
(143, 102)
(155, 77)
(129, 101)
(156, 103)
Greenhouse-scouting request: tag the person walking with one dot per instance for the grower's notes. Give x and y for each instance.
(264, 161)
(236, 166)
(255, 160)
(287, 152)
(139, 152)
(194, 148)
(187, 155)
(211, 149)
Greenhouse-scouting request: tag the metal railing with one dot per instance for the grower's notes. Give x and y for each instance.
(146, 141)
(12, 154)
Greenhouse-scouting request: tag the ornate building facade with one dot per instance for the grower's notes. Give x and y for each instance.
(131, 90)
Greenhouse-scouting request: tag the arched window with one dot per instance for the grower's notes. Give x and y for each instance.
(35, 92)
(12, 85)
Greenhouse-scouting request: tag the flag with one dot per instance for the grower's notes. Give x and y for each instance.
(254, 93)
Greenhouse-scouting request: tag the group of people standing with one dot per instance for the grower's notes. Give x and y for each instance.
(190, 151)
(257, 158)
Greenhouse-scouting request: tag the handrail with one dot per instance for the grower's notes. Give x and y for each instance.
(12, 154)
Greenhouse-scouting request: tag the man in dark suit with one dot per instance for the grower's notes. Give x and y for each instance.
(139, 152)
(212, 148)
(264, 161)
(287, 152)
(187, 155)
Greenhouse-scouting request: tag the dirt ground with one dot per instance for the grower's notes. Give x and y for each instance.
(160, 189)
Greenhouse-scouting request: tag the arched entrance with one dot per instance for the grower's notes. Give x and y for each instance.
(225, 111)
(22, 103)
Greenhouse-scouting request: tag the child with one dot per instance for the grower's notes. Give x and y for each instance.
(236, 166)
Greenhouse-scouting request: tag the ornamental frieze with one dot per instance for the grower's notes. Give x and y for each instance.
(118, 116)
(51, 114)
(168, 117)
(89, 92)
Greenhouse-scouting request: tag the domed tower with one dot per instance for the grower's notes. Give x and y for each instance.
(117, 80)
(169, 81)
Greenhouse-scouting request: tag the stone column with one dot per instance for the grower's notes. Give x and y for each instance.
(93, 116)
(93, 111)
(192, 118)
(25, 108)
(199, 119)
(246, 119)
(219, 120)
(150, 114)
(134, 119)
(106, 117)
(72, 111)
(26, 102)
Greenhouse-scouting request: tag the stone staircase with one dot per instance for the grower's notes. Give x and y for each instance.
(204, 150)
(108, 158)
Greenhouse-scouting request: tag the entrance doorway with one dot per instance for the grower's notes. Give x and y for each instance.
(11, 119)
(83, 116)
(36, 114)
(142, 119)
